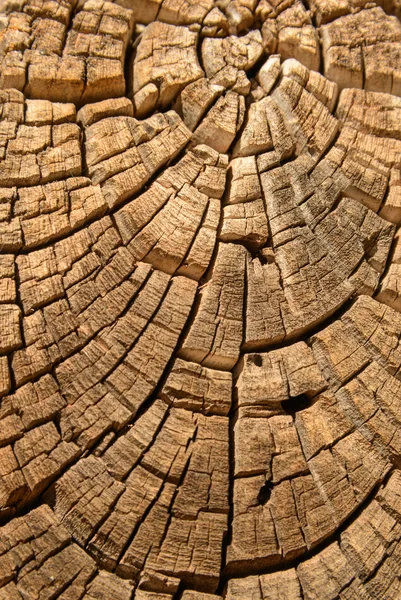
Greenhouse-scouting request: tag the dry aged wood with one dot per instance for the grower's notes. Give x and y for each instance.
(296, 37)
(200, 307)
(40, 53)
(195, 99)
(181, 235)
(373, 64)
(197, 388)
(227, 60)
(290, 460)
(367, 550)
(133, 152)
(221, 124)
(166, 56)
(389, 292)
(170, 11)
(214, 337)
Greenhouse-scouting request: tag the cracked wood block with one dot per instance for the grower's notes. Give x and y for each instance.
(246, 223)
(268, 530)
(217, 23)
(390, 209)
(321, 425)
(221, 124)
(273, 585)
(195, 99)
(13, 487)
(39, 554)
(177, 12)
(197, 388)
(92, 57)
(329, 575)
(137, 375)
(106, 584)
(93, 112)
(265, 133)
(199, 564)
(215, 335)
(92, 379)
(7, 279)
(175, 455)
(56, 306)
(367, 332)
(4, 376)
(133, 152)
(370, 112)
(368, 184)
(52, 210)
(82, 496)
(42, 50)
(323, 89)
(99, 35)
(46, 147)
(200, 540)
(307, 118)
(175, 226)
(187, 12)
(389, 288)
(35, 459)
(267, 379)
(226, 60)
(151, 222)
(244, 183)
(124, 453)
(370, 117)
(325, 11)
(192, 595)
(308, 257)
(143, 595)
(269, 72)
(70, 261)
(199, 512)
(32, 28)
(372, 408)
(290, 460)
(43, 160)
(364, 468)
(326, 576)
(10, 316)
(261, 133)
(240, 14)
(296, 36)
(373, 64)
(366, 547)
(166, 56)
(31, 405)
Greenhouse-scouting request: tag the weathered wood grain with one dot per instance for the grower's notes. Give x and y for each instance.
(200, 314)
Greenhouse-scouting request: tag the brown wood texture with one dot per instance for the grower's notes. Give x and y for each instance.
(200, 300)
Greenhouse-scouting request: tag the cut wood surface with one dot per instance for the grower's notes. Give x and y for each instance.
(200, 300)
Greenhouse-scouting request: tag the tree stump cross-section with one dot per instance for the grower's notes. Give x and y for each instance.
(200, 300)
